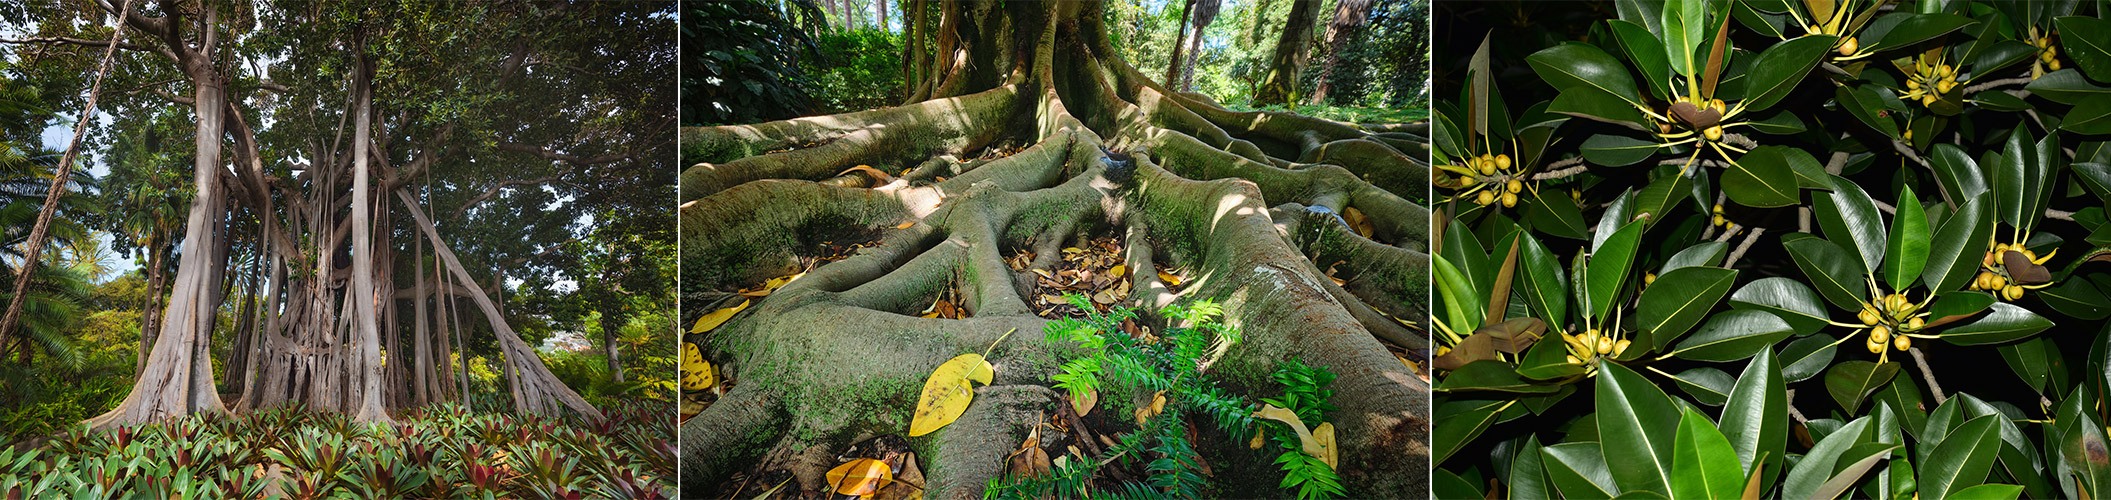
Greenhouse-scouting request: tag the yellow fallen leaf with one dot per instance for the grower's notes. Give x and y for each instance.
(1304, 435)
(718, 317)
(860, 477)
(1118, 270)
(874, 173)
(1255, 444)
(1324, 434)
(947, 393)
(696, 372)
(772, 285)
(906, 224)
(1169, 278)
(1357, 222)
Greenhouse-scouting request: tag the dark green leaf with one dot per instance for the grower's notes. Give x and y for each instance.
(1906, 253)
(1490, 375)
(1609, 267)
(1788, 299)
(1806, 357)
(2087, 40)
(1707, 465)
(1733, 335)
(1617, 150)
(1591, 103)
(1962, 459)
(1850, 381)
(1809, 474)
(2091, 117)
(1755, 419)
(2003, 322)
(1955, 252)
(1637, 422)
(1708, 386)
(1578, 470)
(1679, 300)
(1780, 67)
(1837, 274)
(1575, 64)
(1849, 217)
(2065, 87)
(1459, 422)
(1763, 177)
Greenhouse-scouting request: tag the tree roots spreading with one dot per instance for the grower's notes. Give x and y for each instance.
(1250, 203)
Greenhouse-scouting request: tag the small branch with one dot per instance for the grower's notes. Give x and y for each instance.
(1791, 404)
(1907, 151)
(1559, 174)
(1974, 89)
(1742, 246)
(1927, 374)
(2059, 214)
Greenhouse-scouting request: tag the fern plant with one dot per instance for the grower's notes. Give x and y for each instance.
(1176, 365)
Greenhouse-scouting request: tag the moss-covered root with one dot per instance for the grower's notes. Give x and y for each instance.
(902, 134)
(1285, 311)
(971, 451)
(1380, 278)
(1382, 165)
(727, 436)
(751, 232)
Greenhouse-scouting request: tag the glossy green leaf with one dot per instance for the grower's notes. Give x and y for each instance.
(1707, 386)
(1850, 218)
(1556, 214)
(2065, 87)
(1591, 103)
(1733, 335)
(1493, 376)
(1810, 473)
(1679, 300)
(1962, 459)
(1617, 150)
(1545, 288)
(1868, 104)
(1575, 64)
(2081, 444)
(2032, 360)
(1851, 381)
(1906, 252)
(1578, 470)
(1636, 422)
(1609, 267)
(2003, 322)
(1779, 68)
(1447, 484)
(2087, 40)
(1915, 28)
(1755, 419)
(1707, 465)
(1835, 273)
(2091, 117)
(1788, 299)
(1548, 360)
(1685, 26)
(1703, 254)
(1646, 52)
(1458, 422)
(1806, 357)
(1528, 474)
(1955, 252)
(1857, 462)
(1956, 173)
(1990, 492)
(1763, 177)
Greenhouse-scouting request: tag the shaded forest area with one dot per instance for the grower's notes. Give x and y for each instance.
(1026, 251)
(324, 248)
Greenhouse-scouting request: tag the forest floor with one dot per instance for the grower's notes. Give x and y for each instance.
(440, 451)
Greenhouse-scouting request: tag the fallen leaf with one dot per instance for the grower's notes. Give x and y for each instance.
(861, 477)
(1357, 222)
(1052, 299)
(773, 489)
(1029, 460)
(696, 372)
(905, 224)
(948, 392)
(1324, 434)
(1103, 297)
(878, 176)
(718, 317)
(1304, 435)
(1118, 269)
(1085, 401)
(772, 285)
(1072, 250)
(1146, 411)
(1169, 278)
(1255, 444)
(907, 485)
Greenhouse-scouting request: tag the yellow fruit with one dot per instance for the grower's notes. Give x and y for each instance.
(1718, 208)
(1714, 133)
(1945, 86)
(1509, 200)
(1502, 162)
(1717, 105)
(1996, 282)
(1848, 47)
(1620, 347)
(1868, 317)
(1902, 342)
(1916, 324)
(2027, 254)
(1719, 220)
(1913, 84)
(1485, 197)
(1514, 186)
(2055, 65)
(1649, 279)
(2012, 292)
(1989, 260)
(1879, 334)
(1605, 345)
(1874, 347)
(1467, 181)
(1574, 361)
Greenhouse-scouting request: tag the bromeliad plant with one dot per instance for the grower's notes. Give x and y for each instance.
(1751, 185)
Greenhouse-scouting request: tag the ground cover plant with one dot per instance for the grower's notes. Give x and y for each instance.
(1774, 249)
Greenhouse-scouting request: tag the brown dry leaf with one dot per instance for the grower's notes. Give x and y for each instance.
(1048, 299)
(908, 484)
(1304, 435)
(1324, 434)
(718, 317)
(1103, 298)
(1029, 460)
(878, 176)
(1084, 402)
(861, 477)
(1357, 222)
(1155, 407)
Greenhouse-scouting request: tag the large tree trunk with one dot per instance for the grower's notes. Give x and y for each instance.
(178, 377)
(150, 315)
(840, 353)
(1281, 85)
(611, 324)
(1349, 16)
(1205, 13)
(1174, 63)
(365, 298)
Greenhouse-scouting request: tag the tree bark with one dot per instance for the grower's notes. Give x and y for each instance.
(150, 315)
(1281, 84)
(1173, 64)
(1205, 13)
(1349, 16)
(363, 294)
